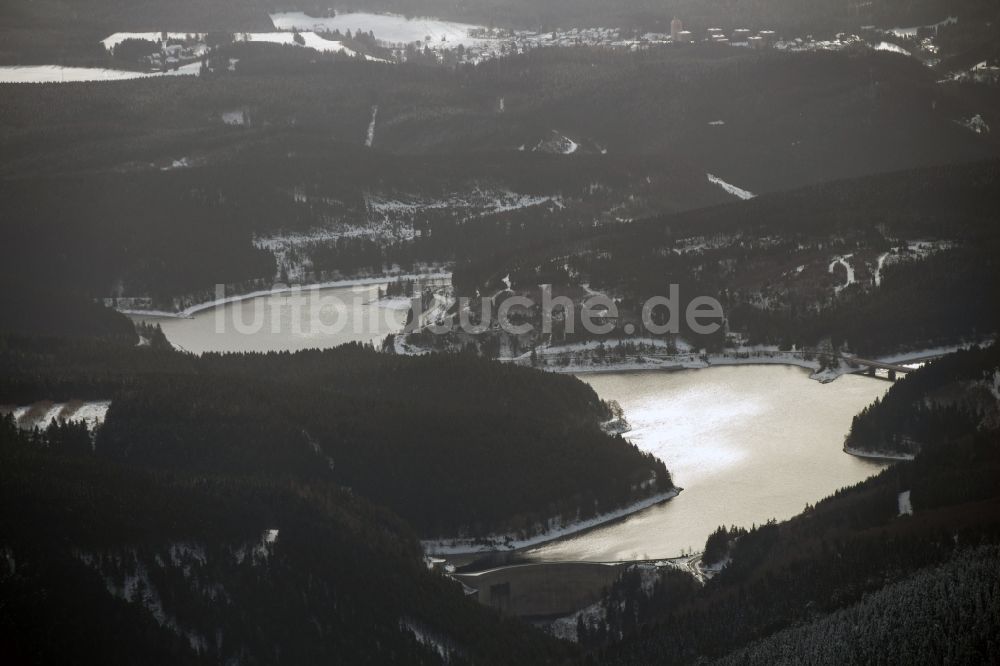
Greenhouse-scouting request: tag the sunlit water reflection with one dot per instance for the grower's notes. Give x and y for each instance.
(747, 444)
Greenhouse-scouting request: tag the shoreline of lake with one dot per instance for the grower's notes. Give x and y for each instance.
(190, 311)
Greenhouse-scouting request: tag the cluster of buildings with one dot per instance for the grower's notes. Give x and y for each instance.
(173, 55)
(493, 43)
(738, 37)
(158, 50)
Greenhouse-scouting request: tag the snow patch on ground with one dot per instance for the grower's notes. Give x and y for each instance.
(236, 118)
(878, 268)
(905, 505)
(395, 303)
(557, 144)
(891, 48)
(427, 638)
(131, 582)
(731, 189)
(847, 266)
(318, 450)
(181, 163)
(370, 135)
(260, 552)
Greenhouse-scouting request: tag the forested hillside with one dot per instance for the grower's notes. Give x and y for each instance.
(161, 196)
(920, 247)
(951, 395)
(114, 564)
(453, 444)
(816, 114)
(921, 620)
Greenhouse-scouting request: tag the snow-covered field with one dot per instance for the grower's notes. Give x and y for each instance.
(459, 546)
(310, 40)
(731, 189)
(59, 74)
(389, 28)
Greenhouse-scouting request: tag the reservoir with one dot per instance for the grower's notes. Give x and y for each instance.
(307, 319)
(746, 443)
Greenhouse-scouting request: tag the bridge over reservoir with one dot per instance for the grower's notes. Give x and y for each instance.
(879, 365)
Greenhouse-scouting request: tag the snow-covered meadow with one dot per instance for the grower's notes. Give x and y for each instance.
(388, 28)
(60, 74)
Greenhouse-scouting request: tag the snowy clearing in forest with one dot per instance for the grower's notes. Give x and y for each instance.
(388, 28)
(891, 48)
(557, 144)
(59, 74)
(309, 40)
(847, 267)
(731, 189)
(905, 504)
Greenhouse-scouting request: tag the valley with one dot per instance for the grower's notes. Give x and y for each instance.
(499, 332)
